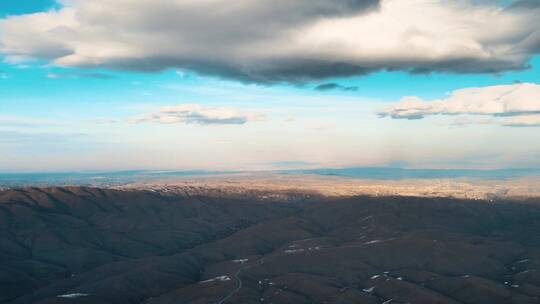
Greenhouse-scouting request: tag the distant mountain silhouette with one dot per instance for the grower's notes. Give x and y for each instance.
(104, 179)
(385, 173)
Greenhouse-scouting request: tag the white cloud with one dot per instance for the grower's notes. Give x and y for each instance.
(16, 121)
(78, 75)
(280, 40)
(197, 114)
(289, 118)
(521, 102)
(523, 121)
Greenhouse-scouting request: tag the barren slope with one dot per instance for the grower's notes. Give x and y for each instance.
(85, 245)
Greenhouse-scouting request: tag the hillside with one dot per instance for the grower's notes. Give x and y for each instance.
(89, 245)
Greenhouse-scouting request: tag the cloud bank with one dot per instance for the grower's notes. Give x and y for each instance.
(280, 40)
(197, 114)
(14, 121)
(516, 104)
(523, 121)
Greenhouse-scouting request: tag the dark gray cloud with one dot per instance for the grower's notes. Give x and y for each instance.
(294, 41)
(334, 86)
(531, 38)
(524, 5)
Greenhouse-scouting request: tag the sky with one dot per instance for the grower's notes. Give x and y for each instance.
(257, 85)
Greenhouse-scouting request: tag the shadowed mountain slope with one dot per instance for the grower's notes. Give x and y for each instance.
(87, 245)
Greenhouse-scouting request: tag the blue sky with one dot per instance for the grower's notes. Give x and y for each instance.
(9, 8)
(58, 116)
